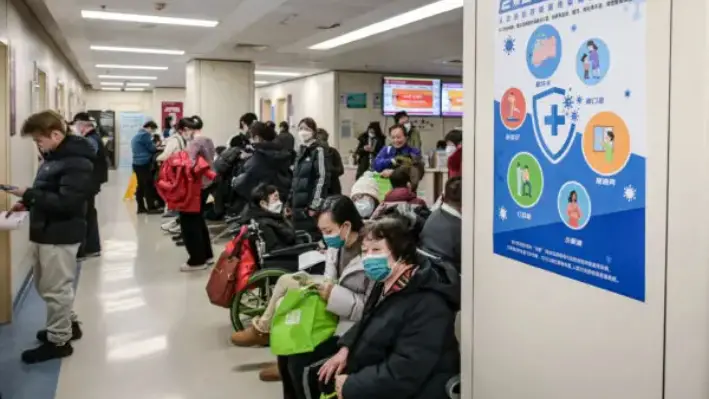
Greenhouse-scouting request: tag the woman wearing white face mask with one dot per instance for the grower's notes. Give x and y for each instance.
(266, 209)
(310, 179)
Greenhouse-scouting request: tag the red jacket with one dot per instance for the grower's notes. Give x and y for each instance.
(180, 182)
(455, 163)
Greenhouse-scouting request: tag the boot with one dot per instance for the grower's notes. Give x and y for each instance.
(270, 373)
(249, 337)
(76, 333)
(47, 351)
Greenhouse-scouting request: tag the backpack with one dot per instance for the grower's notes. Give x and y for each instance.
(231, 274)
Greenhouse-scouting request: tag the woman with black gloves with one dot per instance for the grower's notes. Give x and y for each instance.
(370, 143)
(405, 346)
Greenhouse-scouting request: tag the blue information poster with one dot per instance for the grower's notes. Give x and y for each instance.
(570, 139)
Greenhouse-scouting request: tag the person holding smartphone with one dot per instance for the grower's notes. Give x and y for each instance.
(57, 204)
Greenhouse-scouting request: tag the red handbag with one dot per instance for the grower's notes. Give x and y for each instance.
(232, 271)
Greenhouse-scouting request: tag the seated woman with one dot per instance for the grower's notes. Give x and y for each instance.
(391, 156)
(344, 287)
(404, 182)
(266, 209)
(365, 195)
(404, 347)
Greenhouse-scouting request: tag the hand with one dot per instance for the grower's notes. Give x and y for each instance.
(339, 384)
(18, 192)
(334, 366)
(18, 207)
(387, 173)
(325, 289)
(368, 148)
(288, 212)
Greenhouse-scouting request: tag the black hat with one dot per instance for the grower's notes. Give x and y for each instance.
(83, 117)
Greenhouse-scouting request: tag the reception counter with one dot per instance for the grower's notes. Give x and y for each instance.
(430, 188)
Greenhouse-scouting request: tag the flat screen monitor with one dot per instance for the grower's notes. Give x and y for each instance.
(416, 96)
(452, 99)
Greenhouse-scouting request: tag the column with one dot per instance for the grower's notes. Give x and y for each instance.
(219, 92)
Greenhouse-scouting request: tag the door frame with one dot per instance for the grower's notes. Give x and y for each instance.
(5, 174)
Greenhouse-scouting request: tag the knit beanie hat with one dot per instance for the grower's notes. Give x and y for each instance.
(366, 184)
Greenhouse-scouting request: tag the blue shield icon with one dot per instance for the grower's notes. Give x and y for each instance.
(553, 130)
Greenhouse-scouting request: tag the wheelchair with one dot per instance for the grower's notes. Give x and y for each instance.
(252, 301)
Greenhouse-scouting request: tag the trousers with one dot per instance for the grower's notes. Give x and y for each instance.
(92, 244)
(54, 271)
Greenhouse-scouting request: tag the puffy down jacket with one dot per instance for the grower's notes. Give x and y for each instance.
(180, 181)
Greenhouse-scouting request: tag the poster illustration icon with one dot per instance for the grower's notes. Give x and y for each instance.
(525, 179)
(513, 108)
(552, 129)
(574, 205)
(544, 52)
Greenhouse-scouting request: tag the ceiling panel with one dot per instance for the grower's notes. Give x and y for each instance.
(202, 9)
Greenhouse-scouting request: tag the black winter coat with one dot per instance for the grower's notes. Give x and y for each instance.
(336, 170)
(100, 162)
(364, 158)
(57, 199)
(310, 180)
(276, 231)
(405, 346)
(269, 164)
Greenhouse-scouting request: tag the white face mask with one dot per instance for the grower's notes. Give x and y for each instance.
(275, 207)
(450, 149)
(407, 125)
(305, 135)
(371, 133)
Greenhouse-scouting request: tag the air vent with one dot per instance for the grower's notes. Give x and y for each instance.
(250, 47)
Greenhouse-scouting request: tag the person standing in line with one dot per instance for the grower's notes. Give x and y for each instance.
(412, 134)
(195, 233)
(167, 127)
(144, 150)
(245, 123)
(370, 143)
(83, 125)
(285, 138)
(335, 167)
(56, 204)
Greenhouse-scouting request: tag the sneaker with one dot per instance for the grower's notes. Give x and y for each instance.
(270, 373)
(169, 225)
(170, 214)
(47, 351)
(76, 333)
(89, 256)
(175, 230)
(250, 337)
(188, 268)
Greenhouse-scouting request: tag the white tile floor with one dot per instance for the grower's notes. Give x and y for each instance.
(149, 330)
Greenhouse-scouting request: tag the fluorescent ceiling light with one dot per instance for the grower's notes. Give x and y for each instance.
(261, 82)
(111, 83)
(137, 50)
(138, 84)
(150, 19)
(276, 73)
(127, 77)
(395, 22)
(111, 89)
(134, 89)
(149, 68)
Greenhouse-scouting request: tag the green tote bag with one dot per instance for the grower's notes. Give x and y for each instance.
(301, 323)
(384, 185)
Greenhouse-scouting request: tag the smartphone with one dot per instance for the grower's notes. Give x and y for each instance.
(5, 187)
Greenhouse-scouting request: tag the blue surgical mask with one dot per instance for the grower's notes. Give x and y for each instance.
(376, 267)
(334, 240)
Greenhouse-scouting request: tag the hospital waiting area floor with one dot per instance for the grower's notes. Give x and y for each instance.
(149, 330)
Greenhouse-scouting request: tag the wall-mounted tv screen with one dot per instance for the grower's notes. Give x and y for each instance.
(416, 96)
(452, 99)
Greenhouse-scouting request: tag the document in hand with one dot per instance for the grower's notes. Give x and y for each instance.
(12, 222)
(309, 259)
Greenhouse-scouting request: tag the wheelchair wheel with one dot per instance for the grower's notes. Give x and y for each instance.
(252, 301)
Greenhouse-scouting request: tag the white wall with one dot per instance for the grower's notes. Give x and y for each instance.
(128, 101)
(312, 96)
(529, 333)
(371, 83)
(29, 44)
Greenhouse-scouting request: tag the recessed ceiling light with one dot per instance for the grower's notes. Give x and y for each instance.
(427, 11)
(277, 73)
(150, 68)
(111, 89)
(137, 50)
(151, 19)
(260, 82)
(134, 89)
(127, 77)
(111, 83)
(138, 84)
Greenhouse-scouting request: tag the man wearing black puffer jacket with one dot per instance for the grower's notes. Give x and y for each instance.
(311, 179)
(56, 203)
(269, 164)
